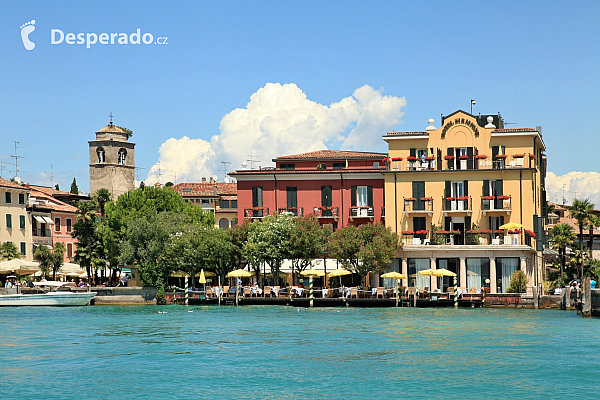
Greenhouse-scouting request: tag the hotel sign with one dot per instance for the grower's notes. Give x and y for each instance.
(460, 121)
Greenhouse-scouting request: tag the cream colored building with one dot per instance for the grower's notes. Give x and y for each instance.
(14, 223)
(448, 189)
(112, 163)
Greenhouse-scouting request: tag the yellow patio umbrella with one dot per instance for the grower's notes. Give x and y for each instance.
(207, 274)
(177, 274)
(239, 273)
(427, 272)
(202, 278)
(511, 225)
(397, 276)
(340, 272)
(281, 274)
(443, 272)
(311, 273)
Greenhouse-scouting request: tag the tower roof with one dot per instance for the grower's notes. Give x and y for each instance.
(111, 128)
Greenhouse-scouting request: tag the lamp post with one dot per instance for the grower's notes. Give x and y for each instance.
(473, 102)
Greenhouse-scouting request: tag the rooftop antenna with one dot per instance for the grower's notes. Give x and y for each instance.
(51, 174)
(225, 167)
(251, 161)
(137, 173)
(2, 167)
(16, 157)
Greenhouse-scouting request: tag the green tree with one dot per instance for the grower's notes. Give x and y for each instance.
(579, 261)
(8, 251)
(74, 188)
(562, 235)
(56, 187)
(518, 282)
(58, 258)
(308, 241)
(43, 255)
(90, 252)
(367, 249)
(101, 198)
(581, 210)
(593, 223)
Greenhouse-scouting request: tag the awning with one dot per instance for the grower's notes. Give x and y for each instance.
(39, 219)
(48, 220)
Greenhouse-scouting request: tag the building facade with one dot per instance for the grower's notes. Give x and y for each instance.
(449, 190)
(112, 163)
(14, 225)
(340, 187)
(216, 197)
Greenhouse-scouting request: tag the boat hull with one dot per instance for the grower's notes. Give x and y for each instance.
(47, 299)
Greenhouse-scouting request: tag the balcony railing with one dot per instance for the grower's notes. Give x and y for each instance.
(382, 212)
(297, 211)
(416, 206)
(326, 212)
(496, 203)
(361, 212)
(256, 212)
(482, 238)
(478, 162)
(463, 204)
(42, 232)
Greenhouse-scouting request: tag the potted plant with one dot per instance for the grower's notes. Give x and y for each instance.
(408, 232)
(411, 158)
(448, 157)
(463, 157)
(397, 159)
(430, 158)
(427, 198)
(480, 157)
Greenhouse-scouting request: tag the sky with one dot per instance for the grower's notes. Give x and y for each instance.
(255, 80)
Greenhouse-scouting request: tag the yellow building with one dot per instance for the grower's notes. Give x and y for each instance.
(448, 190)
(14, 223)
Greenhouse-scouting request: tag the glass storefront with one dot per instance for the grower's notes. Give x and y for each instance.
(505, 267)
(415, 265)
(478, 270)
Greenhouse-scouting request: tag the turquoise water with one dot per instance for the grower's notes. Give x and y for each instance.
(262, 352)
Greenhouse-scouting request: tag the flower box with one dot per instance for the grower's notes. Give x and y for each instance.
(456, 232)
(430, 158)
(498, 231)
(411, 158)
(514, 231)
(488, 231)
(408, 232)
(427, 198)
(500, 155)
(487, 197)
(475, 231)
(450, 198)
(421, 232)
(463, 157)
(463, 198)
(530, 233)
(397, 159)
(448, 157)
(480, 157)
(503, 197)
(441, 232)
(410, 199)
(518, 155)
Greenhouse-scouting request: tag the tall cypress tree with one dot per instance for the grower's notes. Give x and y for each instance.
(74, 188)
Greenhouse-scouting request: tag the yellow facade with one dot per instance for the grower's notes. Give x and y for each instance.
(14, 222)
(462, 180)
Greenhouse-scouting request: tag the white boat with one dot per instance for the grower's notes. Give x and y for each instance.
(51, 298)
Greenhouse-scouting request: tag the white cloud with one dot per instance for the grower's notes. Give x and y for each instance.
(581, 185)
(280, 120)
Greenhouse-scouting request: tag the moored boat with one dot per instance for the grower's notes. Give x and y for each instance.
(50, 298)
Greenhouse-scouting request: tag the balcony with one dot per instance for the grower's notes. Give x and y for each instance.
(41, 232)
(256, 212)
(479, 162)
(457, 205)
(502, 203)
(361, 212)
(41, 236)
(326, 212)
(297, 211)
(418, 206)
(482, 237)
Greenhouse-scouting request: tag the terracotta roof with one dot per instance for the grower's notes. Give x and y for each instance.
(407, 133)
(110, 128)
(305, 171)
(7, 183)
(332, 155)
(52, 203)
(205, 188)
(515, 130)
(48, 190)
(229, 198)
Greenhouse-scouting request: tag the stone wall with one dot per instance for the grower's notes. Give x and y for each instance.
(124, 295)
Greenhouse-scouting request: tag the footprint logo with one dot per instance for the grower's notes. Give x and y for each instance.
(26, 29)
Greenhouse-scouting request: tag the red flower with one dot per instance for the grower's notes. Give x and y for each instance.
(411, 158)
(463, 198)
(480, 157)
(397, 159)
(500, 155)
(530, 233)
(427, 198)
(518, 155)
(487, 197)
(408, 232)
(503, 197)
(430, 158)
(532, 156)
(448, 157)
(450, 198)
(486, 231)
(421, 232)
(464, 157)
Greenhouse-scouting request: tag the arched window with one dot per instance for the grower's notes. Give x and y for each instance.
(223, 223)
(122, 156)
(101, 155)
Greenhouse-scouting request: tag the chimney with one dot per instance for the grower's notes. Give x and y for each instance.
(212, 180)
(203, 179)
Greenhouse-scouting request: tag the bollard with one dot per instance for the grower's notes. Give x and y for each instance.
(310, 280)
(483, 296)
(455, 293)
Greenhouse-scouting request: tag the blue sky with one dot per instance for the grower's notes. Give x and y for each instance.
(535, 62)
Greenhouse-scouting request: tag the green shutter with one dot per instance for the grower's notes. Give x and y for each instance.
(326, 196)
(8, 221)
(370, 196)
(23, 248)
(353, 196)
(470, 159)
(486, 188)
(447, 193)
(413, 152)
(494, 151)
(22, 221)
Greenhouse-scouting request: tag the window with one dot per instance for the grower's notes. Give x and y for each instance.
(418, 192)
(8, 197)
(257, 196)
(57, 224)
(223, 203)
(69, 250)
(233, 222)
(376, 165)
(415, 265)
(419, 224)
(493, 188)
(23, 248)
(505, 267)
(292, 196)
(223, 223)
(68, 224)
(101, 155)
(287, 167)
(21, 221)
(21, 198)
(478, 270)
(233, 203)
(339, 165)
(121, 156)
(322, 166)
(361, 196)
(8, 220)
(326, 196)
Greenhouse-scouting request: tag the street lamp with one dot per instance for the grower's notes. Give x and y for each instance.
(473, 102)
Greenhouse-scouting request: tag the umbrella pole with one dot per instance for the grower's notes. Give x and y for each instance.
(186, 289)
(397, 291)
(220, 290)
(455, 293)
(310, 280)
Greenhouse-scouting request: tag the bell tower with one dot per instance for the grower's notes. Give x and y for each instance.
(112, 162)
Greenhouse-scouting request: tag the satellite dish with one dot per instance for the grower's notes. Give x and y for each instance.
(227, 180)
(214, 177)
(244, 164)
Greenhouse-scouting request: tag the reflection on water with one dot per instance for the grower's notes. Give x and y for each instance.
(274, 352)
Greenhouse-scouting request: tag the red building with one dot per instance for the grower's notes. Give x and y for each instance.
(340, 187)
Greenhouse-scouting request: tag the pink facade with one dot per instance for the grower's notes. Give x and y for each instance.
(356, 188)
(61, 232)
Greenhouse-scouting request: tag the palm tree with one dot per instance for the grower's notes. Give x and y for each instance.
(581, 210)
(44, 256)
(579, 259)
(562, 235)
(101, 197)
(8, 251)
(84, 231)
(58, 258)
(593, 222)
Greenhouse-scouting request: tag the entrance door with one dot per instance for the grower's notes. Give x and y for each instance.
(451, 264)
(458, 190)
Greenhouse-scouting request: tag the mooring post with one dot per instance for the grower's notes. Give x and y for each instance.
(482, 296)
(586, 307)
(455, 292)
(186, 289)
(310, 282)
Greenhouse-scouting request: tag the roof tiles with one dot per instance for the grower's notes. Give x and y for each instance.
(332, 155)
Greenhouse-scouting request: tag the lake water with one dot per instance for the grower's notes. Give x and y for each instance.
(270, 352)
